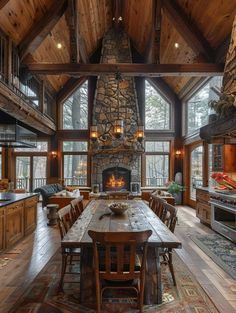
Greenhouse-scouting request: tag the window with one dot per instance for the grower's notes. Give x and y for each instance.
(196, 170)
(75, 109)
(157, 110)
(42, 146)
(157, 162)
(197, 106)
(75, 160)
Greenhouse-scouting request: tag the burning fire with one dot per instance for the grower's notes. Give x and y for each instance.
(114, 183)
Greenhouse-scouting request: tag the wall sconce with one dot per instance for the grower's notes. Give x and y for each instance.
(140, 133)
(118, 128)
(93, 133)
(178, 153)
(54, 154)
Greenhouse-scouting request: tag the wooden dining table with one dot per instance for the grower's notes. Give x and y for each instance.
(98, 217)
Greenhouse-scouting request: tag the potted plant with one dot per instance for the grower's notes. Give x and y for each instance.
(175, 189)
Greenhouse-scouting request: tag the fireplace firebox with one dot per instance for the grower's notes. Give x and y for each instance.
(116, 179)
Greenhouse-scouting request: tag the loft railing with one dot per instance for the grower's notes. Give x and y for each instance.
(24, 183)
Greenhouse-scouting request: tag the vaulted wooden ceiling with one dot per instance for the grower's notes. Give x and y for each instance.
(201, 29)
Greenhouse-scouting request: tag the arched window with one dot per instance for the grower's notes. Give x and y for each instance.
(75, 109)
(157, 110)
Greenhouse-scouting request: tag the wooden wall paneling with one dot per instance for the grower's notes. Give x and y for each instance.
(213, 18)
(39, 31)
(17, 17)
(187, 29)
(2, 229)
(3, 3)
(229, 158)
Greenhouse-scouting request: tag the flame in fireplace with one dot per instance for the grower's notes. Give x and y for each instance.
(115, 182)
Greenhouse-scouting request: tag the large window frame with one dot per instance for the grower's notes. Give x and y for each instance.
(188, 98)
(171, 111)
(61, 121)
(158, 153)
(71, 181)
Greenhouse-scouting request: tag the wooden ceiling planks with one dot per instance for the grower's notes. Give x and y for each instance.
(138, 22)
(213, 18)
(17, 17)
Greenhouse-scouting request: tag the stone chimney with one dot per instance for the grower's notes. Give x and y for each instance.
(116, 100)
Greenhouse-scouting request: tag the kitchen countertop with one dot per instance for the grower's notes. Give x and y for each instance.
(7, 198)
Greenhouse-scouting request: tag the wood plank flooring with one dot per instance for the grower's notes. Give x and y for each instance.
(30, 255)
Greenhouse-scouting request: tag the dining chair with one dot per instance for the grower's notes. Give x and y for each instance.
(156, 203)
(120, 261)
(169, 218)
(76, 207)
(118, 195)
(65, 221)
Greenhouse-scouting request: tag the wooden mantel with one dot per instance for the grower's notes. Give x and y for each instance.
(134, 69)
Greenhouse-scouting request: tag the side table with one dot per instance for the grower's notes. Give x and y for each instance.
(52, 214)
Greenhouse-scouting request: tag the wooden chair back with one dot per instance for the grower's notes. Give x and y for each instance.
(115, 255)
(65, 220)
(156, 203)
(169, 216)
(76, 207)
(122, 195)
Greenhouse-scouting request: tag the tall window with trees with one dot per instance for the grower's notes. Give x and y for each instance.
(157, 110)
(198, 109)
(75, 161)
(157, 162)
(75, 109)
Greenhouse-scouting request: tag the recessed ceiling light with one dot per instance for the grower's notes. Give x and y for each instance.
(59, 45)
(176, 45)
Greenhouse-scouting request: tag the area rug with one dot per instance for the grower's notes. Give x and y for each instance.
(43, 296)
(220, 250)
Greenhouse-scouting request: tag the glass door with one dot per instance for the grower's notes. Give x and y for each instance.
(39, 173)
(196, 170)
(23, 172)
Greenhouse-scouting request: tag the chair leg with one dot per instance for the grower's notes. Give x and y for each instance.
(171, 267)
(63, 270)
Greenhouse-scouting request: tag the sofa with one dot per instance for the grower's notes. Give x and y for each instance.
(47, 191)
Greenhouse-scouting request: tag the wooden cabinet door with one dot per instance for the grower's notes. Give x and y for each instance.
(30, 214)
(14, 223)
(2, 229)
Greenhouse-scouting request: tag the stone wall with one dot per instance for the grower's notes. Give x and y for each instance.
(116, 99)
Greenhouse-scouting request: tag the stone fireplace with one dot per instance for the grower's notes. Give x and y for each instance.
(113, 101)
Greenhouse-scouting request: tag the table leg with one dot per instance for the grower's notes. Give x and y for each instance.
(87, 277)
(153, 285)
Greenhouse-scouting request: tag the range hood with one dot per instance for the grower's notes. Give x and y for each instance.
(14, 135)
(223, 129)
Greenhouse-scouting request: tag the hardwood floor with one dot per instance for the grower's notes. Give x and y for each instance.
(30, 255)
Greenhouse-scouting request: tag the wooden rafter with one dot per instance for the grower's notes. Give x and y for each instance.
(153, 45)
(117, 11)
(69, 88)
(187, 29)
(72, 22)
(134, 69)
(3, 3)
(42, 28)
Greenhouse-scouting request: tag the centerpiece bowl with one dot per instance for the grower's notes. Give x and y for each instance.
(118, 208)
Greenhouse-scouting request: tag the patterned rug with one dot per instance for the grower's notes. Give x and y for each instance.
(220, 250)
(43, 296)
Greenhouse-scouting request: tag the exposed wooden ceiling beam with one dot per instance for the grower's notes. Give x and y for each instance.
(117, 12)
(222, 50)
(69, 88)
(187, 29)
(153, 46)
(39, 31)
(134, 69)
(72, 22)
(3, 3)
